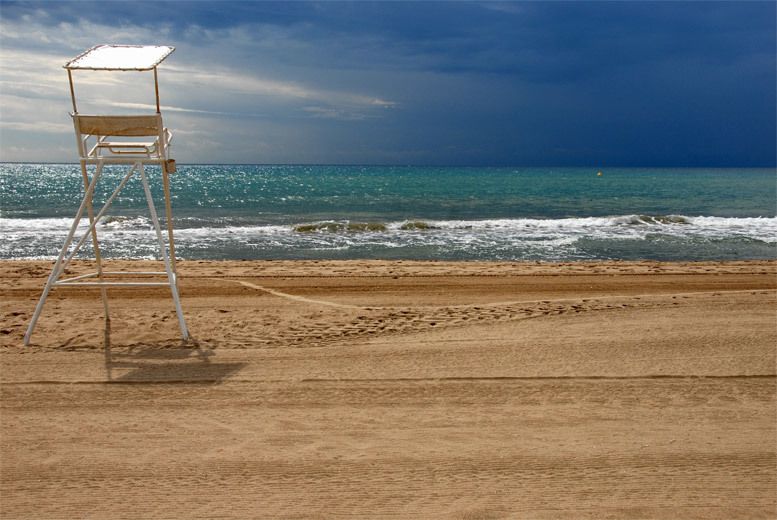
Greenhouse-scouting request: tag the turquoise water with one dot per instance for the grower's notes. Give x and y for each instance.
(255, 211)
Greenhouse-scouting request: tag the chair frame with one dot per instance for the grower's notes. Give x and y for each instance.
(137, 155)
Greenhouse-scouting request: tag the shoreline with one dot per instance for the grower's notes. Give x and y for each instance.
(395, 388)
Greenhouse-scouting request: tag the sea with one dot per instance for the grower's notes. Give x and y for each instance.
(406, 212)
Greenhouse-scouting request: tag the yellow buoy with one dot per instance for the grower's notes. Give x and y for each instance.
(599, 174)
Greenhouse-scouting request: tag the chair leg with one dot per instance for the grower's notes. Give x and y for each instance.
(56, 271)
(95, 243)
(171, 277)
(168, 215)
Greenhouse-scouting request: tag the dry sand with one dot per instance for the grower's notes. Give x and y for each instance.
(395, 390)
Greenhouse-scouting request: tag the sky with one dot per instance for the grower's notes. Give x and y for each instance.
(428, 83)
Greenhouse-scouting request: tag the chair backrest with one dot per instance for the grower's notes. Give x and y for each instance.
(119, 126)
(122, 126)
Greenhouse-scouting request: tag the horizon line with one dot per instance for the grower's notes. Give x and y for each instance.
(425, 165)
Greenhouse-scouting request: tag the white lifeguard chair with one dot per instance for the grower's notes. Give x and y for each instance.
(132, 140)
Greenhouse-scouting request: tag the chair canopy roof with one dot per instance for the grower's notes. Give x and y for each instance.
(120, 57)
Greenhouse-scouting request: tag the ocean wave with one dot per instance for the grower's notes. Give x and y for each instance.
(618, 221)
(336, 227)
(620, 236)
(761, 227)
(125, 223)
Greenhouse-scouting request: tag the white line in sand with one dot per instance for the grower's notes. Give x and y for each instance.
(290, 296)
(491, 304)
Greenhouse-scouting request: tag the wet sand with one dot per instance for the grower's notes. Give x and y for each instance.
(372, 389)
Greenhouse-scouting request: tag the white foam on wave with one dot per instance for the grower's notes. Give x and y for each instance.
(59, 225)
(764, 228)
(759, 228)
(551, 238)
(13, 225)
(571, 223)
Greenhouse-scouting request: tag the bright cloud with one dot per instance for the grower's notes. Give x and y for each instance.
(35, 96)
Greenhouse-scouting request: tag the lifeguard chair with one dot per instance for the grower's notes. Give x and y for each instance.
(132, 140)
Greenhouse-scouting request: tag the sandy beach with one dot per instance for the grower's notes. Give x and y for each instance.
(376, 389)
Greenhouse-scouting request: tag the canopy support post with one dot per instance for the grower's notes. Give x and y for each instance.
(156, 90)
(73, 92)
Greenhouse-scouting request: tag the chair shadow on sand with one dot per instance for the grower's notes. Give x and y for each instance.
(188, 363)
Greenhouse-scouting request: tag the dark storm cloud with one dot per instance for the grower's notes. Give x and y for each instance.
(627, 83)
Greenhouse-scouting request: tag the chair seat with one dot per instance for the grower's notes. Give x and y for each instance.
(128, 147)
(108, 133)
